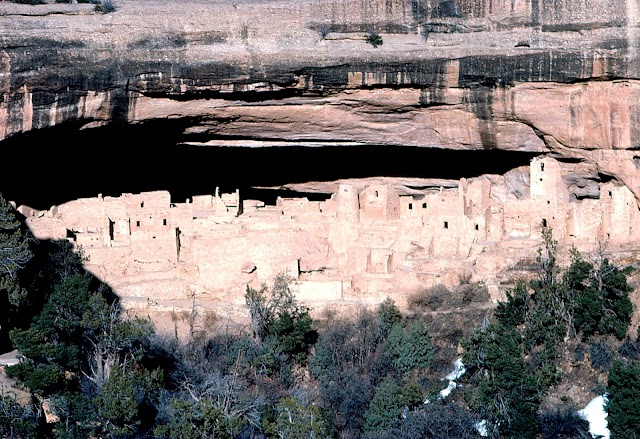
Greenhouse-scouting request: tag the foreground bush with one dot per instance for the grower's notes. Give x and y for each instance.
(105, 6)
(563, 423)
(623, 394)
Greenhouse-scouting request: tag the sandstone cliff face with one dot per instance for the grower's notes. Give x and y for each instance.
(453, 74)
(555, 77)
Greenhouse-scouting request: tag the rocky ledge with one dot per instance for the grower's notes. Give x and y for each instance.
(558, 78)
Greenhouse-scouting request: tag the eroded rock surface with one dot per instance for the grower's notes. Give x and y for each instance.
(556, 78)
(453, 74)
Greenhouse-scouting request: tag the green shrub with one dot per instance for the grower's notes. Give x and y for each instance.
(198, 419)
(563, 422)
(41, 379)
(294, 334)
(431, 299)
(389, 315)
(77, 414)
(623, 395)
(514, 311)
(374, 39)
(124, 398)
(277, 318)
(506, 393)
(412, 348)
(516, 360)
(385, 409)
(601, 296)
(600, 354)
(16, 420)
(105, 6)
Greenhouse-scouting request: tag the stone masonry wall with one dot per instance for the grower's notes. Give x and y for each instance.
(356, 246)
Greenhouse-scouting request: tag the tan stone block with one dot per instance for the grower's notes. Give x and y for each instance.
(315, 291)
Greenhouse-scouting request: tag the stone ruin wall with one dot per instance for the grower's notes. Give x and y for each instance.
(356, 247)
(541, 76)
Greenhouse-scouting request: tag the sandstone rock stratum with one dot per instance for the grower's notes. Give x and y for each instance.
(556, 79)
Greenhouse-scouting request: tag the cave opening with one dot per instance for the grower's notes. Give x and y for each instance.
(55, 165)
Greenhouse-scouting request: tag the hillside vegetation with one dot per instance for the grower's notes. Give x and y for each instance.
(378, 374)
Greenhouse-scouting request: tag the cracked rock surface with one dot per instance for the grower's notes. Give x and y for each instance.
(560, 79)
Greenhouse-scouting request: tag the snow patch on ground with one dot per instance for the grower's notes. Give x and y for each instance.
(596, 413)
(458, 371)
(481, 428)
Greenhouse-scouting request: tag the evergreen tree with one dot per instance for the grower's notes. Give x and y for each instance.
(126, 400)
(515, 310)
(412, 347)
(277, 317)
(515, 361)
(15, 254)
(386, 407)
(506, 393)
(389, 315)
(549, 319)
(77, 413)
(14, 245)
(600, 296)
(623, 395)
(295, 420)
(17, 420)
(587, 305)
(614, 290)
(198, 419)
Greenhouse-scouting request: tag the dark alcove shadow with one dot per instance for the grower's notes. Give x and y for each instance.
(55, 165)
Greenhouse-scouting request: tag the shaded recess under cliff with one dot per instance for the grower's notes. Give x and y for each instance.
(55, 165)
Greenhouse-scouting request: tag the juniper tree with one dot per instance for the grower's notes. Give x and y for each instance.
(14, 245)
(623, 394)
(14, 256)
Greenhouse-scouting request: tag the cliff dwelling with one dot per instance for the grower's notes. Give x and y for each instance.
(192, 160)
(368, 241)
(165, 162)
